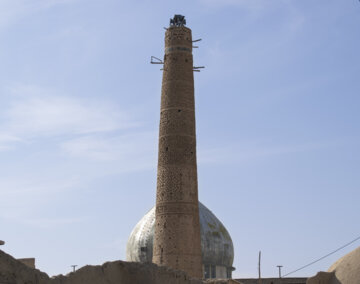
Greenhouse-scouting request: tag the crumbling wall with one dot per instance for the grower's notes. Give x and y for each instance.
(322, 278)
(13, 271)
(28, 261)
(121, 272)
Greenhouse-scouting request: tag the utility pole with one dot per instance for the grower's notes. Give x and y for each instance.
(74, 266)
(259, 266)
(279, 266)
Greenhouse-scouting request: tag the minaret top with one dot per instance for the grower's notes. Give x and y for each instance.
(178, 21)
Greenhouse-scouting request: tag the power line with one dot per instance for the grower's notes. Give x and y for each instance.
(321, 258)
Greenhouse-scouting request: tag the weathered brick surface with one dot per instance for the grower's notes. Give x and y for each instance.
(177, 228)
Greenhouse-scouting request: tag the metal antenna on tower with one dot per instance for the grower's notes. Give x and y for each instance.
(155, 60)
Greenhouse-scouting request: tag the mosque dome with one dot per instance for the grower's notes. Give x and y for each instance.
(216, 244)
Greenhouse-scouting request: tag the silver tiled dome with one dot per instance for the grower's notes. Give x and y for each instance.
(216, 244)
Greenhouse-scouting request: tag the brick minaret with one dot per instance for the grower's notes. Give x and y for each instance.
(177, 230)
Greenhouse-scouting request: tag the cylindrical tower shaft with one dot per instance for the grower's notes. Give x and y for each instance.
(177, 241)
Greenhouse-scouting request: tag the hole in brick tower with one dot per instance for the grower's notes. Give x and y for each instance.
(179, 110)
(167, 148)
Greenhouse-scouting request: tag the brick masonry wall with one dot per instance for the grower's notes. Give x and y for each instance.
(177, 228)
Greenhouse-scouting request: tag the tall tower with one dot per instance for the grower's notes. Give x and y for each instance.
(177, 241)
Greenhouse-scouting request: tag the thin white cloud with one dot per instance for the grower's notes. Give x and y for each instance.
(236, 154)
(46, 223)
(13, 10)
(114, 148)
(10, 11)
(29, 186)
(35, 111)
(66, 139)
(6, 140)
(21, 194)
(119, 154)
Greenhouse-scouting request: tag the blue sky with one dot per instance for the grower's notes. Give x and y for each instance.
(278, 126)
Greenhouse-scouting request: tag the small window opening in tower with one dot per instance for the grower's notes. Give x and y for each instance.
(213, 271)
(229, 273)
(207, 271)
